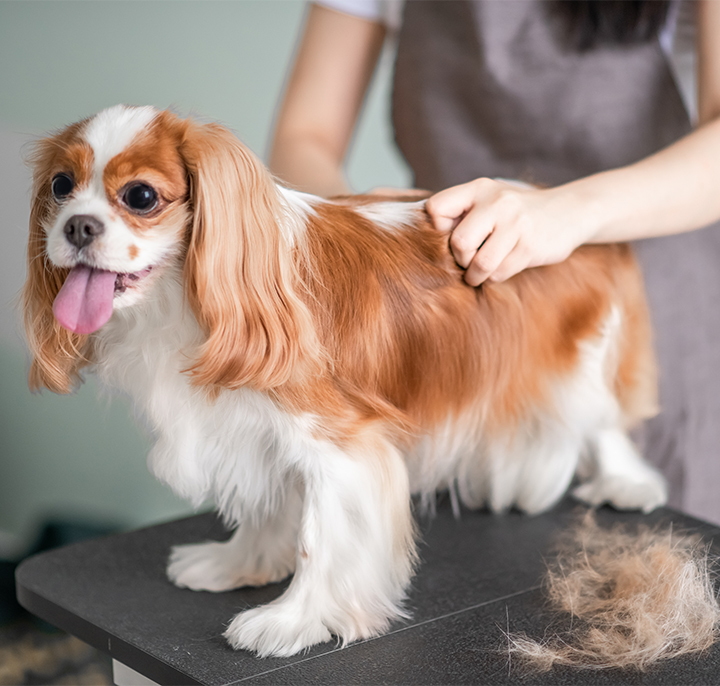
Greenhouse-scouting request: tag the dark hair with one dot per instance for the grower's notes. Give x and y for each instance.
(587, 24)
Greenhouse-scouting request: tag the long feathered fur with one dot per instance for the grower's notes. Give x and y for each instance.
(241, 280)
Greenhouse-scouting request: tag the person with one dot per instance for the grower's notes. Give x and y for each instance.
(557, 94)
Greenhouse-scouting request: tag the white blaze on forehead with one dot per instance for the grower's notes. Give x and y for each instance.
(111, 131)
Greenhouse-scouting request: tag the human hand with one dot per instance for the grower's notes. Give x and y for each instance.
(499, 228)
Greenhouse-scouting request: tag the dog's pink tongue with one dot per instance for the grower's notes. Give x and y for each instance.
(85, 302)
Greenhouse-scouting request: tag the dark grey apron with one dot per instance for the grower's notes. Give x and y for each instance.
(485, 88)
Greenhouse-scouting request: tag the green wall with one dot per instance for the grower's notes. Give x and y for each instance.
(63, 60)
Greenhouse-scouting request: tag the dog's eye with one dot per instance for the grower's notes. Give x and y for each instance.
(141, 198)
(62, 186)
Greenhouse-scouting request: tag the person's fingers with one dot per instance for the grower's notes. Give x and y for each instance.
(448, 207)
(472, 231)
(516, 261)
(490, 256)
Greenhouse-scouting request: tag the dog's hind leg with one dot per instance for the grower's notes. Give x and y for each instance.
(255, 555)
(355, 553)
(547, 472)
(530, 470)
(618, 475)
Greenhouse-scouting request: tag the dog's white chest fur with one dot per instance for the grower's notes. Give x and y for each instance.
(236, 449)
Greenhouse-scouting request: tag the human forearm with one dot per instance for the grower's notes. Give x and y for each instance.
(304, 164)
(333, 67)
(499, 229)
(678, 188)
(672, 191)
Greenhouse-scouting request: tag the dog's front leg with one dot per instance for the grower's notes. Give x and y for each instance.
(355, 553)
(258, 553)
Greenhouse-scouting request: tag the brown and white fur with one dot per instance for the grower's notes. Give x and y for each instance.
(309, 364)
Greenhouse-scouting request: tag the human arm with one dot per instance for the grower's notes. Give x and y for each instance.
(675, 190)
(333, 67)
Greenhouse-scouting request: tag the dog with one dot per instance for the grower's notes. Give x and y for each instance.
(310, 364)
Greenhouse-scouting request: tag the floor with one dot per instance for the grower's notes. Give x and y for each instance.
(31, 654)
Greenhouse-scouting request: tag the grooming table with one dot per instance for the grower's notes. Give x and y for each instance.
(479, 577)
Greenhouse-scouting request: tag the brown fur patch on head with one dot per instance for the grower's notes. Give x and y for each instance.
(153, 158)
(65, 152)
(636, 598)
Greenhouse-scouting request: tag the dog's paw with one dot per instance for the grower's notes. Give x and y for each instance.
(275, 630)
(202, 567)
(216, 567)
(624, 493)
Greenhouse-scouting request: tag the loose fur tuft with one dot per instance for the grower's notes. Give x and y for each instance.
(639, 598)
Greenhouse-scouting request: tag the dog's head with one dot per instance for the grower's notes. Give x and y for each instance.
(133, 195)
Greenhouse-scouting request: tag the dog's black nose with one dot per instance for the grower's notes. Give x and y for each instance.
(83, 229)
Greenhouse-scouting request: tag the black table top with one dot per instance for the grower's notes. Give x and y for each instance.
(479, 577)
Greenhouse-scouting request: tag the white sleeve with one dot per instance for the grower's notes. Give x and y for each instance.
(365, 9)
(388, 12)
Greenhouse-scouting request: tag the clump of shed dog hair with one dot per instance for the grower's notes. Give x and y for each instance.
(634, 598)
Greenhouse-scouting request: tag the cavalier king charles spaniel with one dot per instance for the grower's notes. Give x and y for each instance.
(310, 364)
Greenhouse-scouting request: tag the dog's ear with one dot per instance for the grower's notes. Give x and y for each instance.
(57, 354)
(240, 275)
